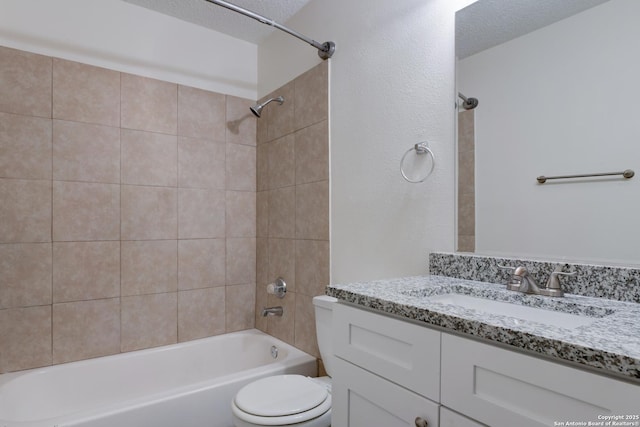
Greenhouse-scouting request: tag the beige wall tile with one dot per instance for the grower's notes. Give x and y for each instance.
(151, 161)
(240, 307)
(201, 213)
(149, 321)
(25, 211)
(86, 329)
(312, 153)
(241, 123)
(312, 211)
(25, 274)
(301, 211)
(283, 327)
(466, 244)
(261, 322)
(241, 261)
(149, 213)
(262, 167)
(262, 264)
(466, 172)
(312, 267)
(305, 326)
(466, 214)
(149, 267)
(25, 83)
(201, 163)
(25, 144)
(466, 131)
(25, 338)
(83, 211)
(280, 118)
(201, 114)
(262, 126)
(282, 162)
(86, 270)
(85, 93)
(311, 96)
(282, 211)
(201, 313)
(86, 152)
(149, 158)
(201, 263)
(466, 181)
(241, 167)
(149, 104)
(241, 214)
(262, 214)
(282, 262)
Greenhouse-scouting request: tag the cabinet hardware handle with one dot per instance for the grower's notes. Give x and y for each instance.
(421, 422)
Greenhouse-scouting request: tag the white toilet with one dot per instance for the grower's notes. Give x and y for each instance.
(291, 400)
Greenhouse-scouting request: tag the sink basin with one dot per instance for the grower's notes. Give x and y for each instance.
(515, 313)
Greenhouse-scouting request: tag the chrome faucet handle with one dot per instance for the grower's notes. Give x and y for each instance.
(521, 271)
(277, 288)
(514, 282)
(554, 288)
(526, 283)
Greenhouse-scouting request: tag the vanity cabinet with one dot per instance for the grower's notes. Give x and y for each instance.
(366, 400)
(389, 371)
(501, 387)
(448, 418)
(386, 373)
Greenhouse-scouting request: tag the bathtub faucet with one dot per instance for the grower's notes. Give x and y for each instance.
(272, 311)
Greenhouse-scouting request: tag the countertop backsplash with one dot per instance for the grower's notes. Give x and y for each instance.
(612, 282)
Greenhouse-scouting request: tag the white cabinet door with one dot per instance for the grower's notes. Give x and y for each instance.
(362, 399)
(503, 388)
(400, 351)
(448, 418)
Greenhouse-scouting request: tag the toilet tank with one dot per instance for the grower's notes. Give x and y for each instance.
(323, 305)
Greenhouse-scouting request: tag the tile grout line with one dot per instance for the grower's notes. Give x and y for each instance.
(52, 260)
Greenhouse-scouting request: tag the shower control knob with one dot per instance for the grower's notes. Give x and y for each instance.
(421, 422)
(277, 288)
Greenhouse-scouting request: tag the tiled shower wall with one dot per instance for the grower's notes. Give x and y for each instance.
(127, 212)
(293, 206)
(466, 182)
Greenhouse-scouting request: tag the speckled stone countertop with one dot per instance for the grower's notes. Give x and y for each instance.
(610, 343)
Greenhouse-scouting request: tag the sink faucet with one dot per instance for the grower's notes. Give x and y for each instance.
(522, 281)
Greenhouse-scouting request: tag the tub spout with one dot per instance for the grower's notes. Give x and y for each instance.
(272, 311)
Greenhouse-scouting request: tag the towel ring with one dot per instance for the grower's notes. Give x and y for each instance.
(420, 148)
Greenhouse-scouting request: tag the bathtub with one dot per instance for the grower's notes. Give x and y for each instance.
(183, 385)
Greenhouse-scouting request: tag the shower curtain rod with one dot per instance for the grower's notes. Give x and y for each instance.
(325, 50)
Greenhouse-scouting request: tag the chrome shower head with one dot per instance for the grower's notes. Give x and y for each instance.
(257, 109)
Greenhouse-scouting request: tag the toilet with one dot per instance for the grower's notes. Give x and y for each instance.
(291, 400)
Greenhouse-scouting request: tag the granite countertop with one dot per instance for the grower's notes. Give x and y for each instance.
(611, 343)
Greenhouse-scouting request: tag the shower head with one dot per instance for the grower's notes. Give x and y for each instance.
(257, 109)
(468, 103)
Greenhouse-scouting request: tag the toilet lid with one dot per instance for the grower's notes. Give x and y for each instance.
(280, 395)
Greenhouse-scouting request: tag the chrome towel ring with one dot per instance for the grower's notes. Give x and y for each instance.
(420, 149)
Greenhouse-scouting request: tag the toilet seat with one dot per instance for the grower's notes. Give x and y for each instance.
(281, 400)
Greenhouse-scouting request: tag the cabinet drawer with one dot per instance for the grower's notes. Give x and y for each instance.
(362, 399)
(448, 418)
(402, 352)
(504, 388)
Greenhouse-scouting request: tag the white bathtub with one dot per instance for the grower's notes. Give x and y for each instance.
(182, 385)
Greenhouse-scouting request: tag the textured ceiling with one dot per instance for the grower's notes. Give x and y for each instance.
(220, 19)
(488, 23)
